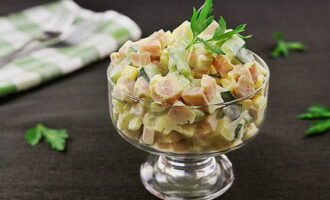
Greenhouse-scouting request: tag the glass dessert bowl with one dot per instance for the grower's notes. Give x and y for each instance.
(187, 158)
(188, 97)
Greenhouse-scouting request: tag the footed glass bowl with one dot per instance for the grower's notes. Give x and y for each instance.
(188, 160)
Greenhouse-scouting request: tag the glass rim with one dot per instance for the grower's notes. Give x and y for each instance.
(223, 104)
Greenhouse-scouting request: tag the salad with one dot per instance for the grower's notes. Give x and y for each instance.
(194, 89)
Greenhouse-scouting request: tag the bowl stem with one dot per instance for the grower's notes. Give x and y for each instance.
(183, 178)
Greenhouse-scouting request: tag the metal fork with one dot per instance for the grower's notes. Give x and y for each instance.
(58, 24)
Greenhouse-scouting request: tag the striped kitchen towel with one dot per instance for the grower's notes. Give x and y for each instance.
(49, 63)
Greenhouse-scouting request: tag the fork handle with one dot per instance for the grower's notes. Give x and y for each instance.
(14, 54)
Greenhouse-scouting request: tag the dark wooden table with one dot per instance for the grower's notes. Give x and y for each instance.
(98, 165)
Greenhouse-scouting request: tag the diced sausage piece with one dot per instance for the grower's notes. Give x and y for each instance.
(153, 47)
(155, 97)
(211, 121)
(141, 88)
(253, 68)
(209, 86)
(126, 84)
(236, 72)
(168, 88)
(194, 96)
(222, 64)
(123, 88)
(140, 59)
(148, 135)
(118, 94)
(117, 57)
(181, 114)
(245, 85)
(162, 37)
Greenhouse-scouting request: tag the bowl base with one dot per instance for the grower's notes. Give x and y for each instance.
(181, 178)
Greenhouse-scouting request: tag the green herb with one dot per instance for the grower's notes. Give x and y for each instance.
(33, 135)
(55, 138)
(211, 47)
(282, 47)
(202, 18)
(318, 126)
(316, 111)
(319, 113)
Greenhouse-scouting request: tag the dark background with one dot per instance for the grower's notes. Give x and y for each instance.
(280, 164)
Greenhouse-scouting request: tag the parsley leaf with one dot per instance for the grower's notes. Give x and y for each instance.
(321, 114)
(201, 18)
(221, 29)
(316, 111)
(211, 47)
(55, 138)
(33, 135)
(319, 126)
(319, 108)
(225, 36)
(282, 47)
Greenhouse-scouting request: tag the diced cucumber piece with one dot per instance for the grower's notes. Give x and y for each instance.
(233, 111)
(232, 46)
(233, 129)
(239, 130)
(184, 81)
(181, 65)
(244, 56)
(199, 115)
(115, 72)
(151, 70)
(227, 96)
(171, 64)
(117, 69)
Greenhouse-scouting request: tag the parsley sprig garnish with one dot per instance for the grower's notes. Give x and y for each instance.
(202, 18)
(55, 138)
(321, 114)
(282, 47)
